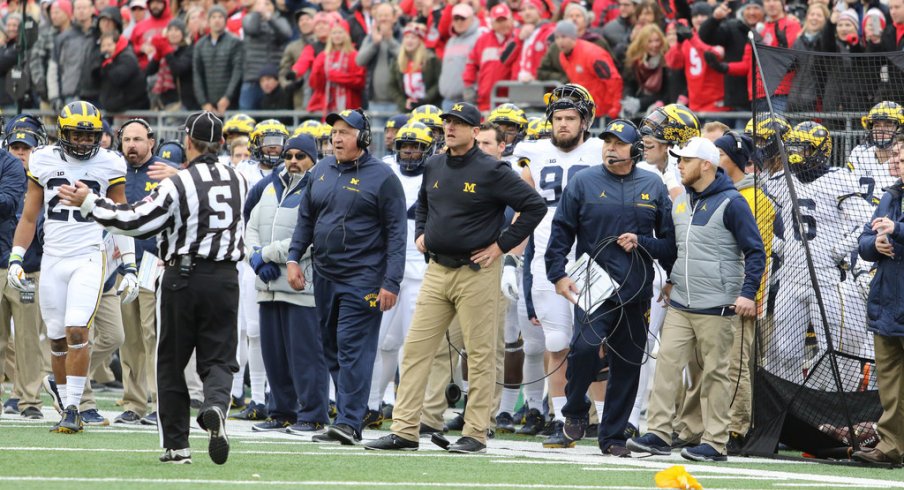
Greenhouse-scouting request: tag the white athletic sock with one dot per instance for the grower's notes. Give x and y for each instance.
(75, 385)
(62, 389)
(558, 402)
(509, 399)
(533, 371)
(599, 409)
(257, 372)
(332, 389)
(238, 379)
(376, 396)
(389, 364)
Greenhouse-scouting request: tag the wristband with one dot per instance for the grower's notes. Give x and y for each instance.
(16, 254)
(510, 261)
(130, 269)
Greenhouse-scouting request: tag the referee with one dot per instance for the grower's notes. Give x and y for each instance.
(197, 217)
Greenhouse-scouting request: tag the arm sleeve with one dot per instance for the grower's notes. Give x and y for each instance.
(254, 197)
(126, 246)
(252, 236)
(238, 64)
(713, 32)
(142, 219)
(470, 74)
(662, 246)
(520, 196)
(562, 233)
(12, 186)
(740, 222)
(395, 223)
(251, 24)
(420, 214)
(366, 53)
(867, 241)
(198, 78)
(281, 28)
(304, 228)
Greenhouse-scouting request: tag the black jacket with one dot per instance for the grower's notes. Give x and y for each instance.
(9, 57)
(731, 34)
(122, 83)
(180, 64)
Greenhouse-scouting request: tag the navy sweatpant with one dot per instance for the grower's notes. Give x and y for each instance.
(625, 328)
(349, 320)
(293, 357)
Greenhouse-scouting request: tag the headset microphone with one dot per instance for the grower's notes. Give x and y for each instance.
(618, 161)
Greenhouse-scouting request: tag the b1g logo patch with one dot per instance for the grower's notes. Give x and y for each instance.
(371, 300)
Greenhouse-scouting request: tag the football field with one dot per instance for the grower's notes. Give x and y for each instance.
(125, 456)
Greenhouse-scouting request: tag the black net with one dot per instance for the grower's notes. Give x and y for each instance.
(823, 166)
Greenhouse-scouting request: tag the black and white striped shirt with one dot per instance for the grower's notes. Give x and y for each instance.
(196, 212)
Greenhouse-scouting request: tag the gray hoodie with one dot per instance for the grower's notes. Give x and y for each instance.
(454, 60)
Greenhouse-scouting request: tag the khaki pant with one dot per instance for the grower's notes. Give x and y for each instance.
(890, 378)
(681, 334)
(739, 373)
(440, 376)
(25, 349)
(689, 422)
(106, 336)
(139, 352)
(445, 293)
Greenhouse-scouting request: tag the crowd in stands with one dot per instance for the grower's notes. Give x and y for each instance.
(329, 55)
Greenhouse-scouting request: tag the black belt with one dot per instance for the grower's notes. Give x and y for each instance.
(453, 261)
(188, 263)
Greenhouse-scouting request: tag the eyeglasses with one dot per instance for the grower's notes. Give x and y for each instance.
(295, 156)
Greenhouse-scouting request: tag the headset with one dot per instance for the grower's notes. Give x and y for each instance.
(136, 120)
(637, 146)
(739, 143)
(364, 136)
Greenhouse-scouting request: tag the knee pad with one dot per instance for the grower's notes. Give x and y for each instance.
(78, 346)
(58, 354)
(557, 341)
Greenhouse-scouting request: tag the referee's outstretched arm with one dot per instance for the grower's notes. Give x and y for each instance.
(143, 219)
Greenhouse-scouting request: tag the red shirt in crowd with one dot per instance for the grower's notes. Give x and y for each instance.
(485, 66)
(592, 66)
(145, 30)
(705, 85)
(337, 82)
(531, 51)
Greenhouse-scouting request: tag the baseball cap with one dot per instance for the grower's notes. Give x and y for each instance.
(465, 112)
(463, 10)
(353, 118)
(698, 147)
(622, 130)
(501, 10)
(172, 152)
(204, 126)
(738, 148)
(303, 143)
(397, 121)
(22, 135)
(138, 3)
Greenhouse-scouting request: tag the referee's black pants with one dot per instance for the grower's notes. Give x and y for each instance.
(624, 326)
(197, 313)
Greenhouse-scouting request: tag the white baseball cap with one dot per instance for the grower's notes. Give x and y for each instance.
(698, 147)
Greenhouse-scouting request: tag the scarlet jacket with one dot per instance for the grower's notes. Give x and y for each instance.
(591, 66)
(337, 82)
(485, 66)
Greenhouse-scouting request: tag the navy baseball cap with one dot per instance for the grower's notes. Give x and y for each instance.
(738, 147)
(623, 130)
(464, 112)
(353, 118)
(303, 143)
(22, 134)
(397, 121)
(171, 151)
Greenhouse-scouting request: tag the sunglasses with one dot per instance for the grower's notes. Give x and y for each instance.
(295, 156)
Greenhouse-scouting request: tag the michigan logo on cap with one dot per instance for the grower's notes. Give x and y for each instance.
(457, 107)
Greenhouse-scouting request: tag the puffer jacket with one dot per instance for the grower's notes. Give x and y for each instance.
(264, 42)
(884, 308)
(217, 68)
(270, 227)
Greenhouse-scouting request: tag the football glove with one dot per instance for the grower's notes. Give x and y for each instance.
(510, 280)
(256, 260)
(128, 287)
(269, 272)
(15, 274)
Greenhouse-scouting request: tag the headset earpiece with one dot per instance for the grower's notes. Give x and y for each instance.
(364, 137)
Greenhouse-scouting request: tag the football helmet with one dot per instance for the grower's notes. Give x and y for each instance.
(79, 119)
(570, 96)
(673, 124)
(429, 115)
(239, 124)
(538, 129)
(809, 149)
(768, 132)
(513, 122)
(268, 133)
(883, 111)
(310, 127)
(413, 133)
(324, 141)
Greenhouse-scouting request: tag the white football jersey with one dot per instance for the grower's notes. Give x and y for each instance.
(66, 231)
(671, 177)
(415, 265)
(253, 172)
(832, 212)
(871, 174)
(551, 170)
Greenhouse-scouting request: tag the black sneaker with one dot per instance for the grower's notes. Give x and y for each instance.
(550, 428)
(50, 387)
(271, 425)
(32, 413)
(467, 445)
(149, 419)
(649, 443)
(305, 428)
(617, 451)
(735, 443)
(520, 415)
(558, 440)
(176, 456)
(11, 406)
(392, 442)
(345, 434)
(573, 428)
(505, 424)
(93, 417)
(127, 417)
(254, 411)
(213, 421)
(703, 453)
(426, 431)
(457, 423)
(592, 431)
(533, 424)
(631, 431)
(71, 422)
(237, 403)
(373, 419)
